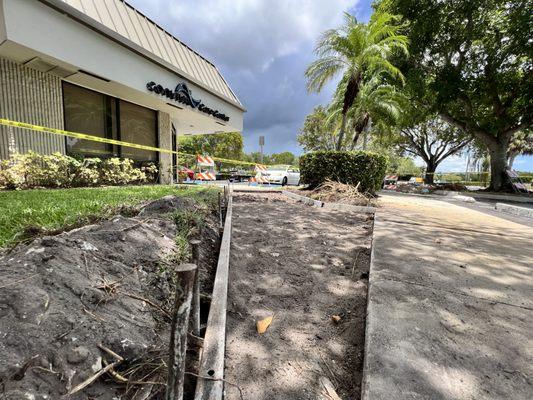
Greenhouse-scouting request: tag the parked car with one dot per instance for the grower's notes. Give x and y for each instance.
(283, 175)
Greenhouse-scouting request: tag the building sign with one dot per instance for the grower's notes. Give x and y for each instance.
(183, 95)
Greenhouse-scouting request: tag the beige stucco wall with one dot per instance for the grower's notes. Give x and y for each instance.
(31, 96)
(165, 142)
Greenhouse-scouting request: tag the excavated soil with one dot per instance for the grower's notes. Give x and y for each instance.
(108, 284)
(305, 267)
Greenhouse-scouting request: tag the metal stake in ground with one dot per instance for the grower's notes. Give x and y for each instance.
(195, 312)
(220, 211)
(225, 198)
(178, 332)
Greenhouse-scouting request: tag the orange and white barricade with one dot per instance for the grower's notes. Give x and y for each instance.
(260, 174)
(259, 179)
(205, 176)
(259, 168)
(204, 161)
(205, 168)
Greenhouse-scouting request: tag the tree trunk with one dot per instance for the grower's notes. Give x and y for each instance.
(368, 123)
(498, 146)
(429, 177)
(352, 89)
(359, 128)
(498, 164)
(341, 133)
(355, 140)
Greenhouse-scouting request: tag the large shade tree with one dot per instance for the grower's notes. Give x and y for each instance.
(471, 62)
(359, 52)
(225, 145)
(318, 131)
(433, 140)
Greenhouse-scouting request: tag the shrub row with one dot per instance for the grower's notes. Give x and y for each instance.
(352, 167)
(32, 170)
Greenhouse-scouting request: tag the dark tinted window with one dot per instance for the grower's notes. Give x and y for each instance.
(138, 125)
(85, 112)
(97, 114)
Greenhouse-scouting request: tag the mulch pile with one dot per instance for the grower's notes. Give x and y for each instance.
(336, 192)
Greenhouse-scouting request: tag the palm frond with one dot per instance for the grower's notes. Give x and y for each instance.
(322, 70)
(359, 51)
(381, 65)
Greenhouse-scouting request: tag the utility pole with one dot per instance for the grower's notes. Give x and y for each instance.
(261, 144)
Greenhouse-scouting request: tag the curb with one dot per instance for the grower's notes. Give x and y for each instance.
(465, 199)
(514, 210)
(329, 206)
(501, 197)
(488, 196)
(303, 199)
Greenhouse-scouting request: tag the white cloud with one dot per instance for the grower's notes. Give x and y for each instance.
(246, 34)
(453, 164)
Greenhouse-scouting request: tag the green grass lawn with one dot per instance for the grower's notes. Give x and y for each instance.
(55, 209)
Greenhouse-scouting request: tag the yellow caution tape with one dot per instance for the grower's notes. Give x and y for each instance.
(77, 135)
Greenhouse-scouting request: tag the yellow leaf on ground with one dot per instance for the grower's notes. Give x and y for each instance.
(263, 324)
(336, 318)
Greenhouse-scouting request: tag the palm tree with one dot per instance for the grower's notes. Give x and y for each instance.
(358, 51)
(521, 144)
(377, 102)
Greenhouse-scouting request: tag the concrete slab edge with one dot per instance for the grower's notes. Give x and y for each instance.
(214, 349)
(515, 210)
(329, 206)
(501, 197)
(350, 207)
(256, 191)
(303, 199)
(369, 314)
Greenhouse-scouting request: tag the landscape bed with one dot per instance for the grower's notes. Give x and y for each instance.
(307, 268)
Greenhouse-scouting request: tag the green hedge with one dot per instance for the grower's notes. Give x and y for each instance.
(352, 167)
(33, 170)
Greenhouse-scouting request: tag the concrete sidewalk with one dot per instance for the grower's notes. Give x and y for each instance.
(450, 306)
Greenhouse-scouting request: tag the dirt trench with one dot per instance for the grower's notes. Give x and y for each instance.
(304, 266)
(107, 284)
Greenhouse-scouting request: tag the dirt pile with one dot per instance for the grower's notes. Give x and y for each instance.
(108, 284)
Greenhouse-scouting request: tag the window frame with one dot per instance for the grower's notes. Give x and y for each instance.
(156, 130)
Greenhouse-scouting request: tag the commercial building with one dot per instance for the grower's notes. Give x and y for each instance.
(102, 68)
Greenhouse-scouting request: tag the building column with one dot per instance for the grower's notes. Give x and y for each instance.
(165, 142)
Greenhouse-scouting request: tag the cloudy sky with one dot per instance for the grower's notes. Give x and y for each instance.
(262, 48)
